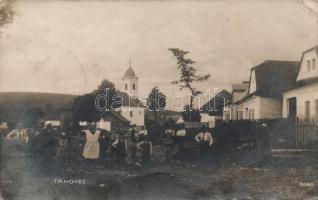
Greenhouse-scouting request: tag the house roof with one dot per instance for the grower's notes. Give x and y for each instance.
(240, 87)
(116, 115)
(273, 77)
(163, 115)
(302, 57)
(129, 100)
(215, 106)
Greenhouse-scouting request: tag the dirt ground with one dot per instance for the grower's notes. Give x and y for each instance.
(222, 178)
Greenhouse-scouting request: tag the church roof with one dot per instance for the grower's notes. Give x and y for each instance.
(130, 73)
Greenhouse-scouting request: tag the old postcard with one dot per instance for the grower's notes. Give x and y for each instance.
(163, 100)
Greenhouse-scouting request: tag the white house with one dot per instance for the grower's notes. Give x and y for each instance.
(230, 109)
(264, 97)
(113, 121)
(302, 100)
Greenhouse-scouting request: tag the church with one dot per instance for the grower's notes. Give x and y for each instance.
(132, 110)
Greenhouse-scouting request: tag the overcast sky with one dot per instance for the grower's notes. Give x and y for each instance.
(70, 46)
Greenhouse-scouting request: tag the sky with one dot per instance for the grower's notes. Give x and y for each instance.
(70, 46)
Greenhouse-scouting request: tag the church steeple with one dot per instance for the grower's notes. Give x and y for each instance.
(130, 81)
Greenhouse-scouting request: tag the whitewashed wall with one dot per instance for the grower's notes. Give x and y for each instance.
(138, 117)
(303, 94)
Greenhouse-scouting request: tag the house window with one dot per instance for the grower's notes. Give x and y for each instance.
(308, 65)
(251, 114)
(134, 86)
(131, 114)
(313, 63)
(239, 115)
(126, 86)
(246, 113)
(307, 109)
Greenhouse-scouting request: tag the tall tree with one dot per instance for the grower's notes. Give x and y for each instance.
(84, 107)
(6, 12)
(156, 102)
(188, 75)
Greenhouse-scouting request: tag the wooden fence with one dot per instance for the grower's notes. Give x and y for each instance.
(235, 133)
(285, 133)
(306, 132)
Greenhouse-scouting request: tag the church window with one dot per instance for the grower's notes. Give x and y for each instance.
(126, 86)
(134, 86)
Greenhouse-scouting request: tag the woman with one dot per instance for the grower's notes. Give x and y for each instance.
(91, 148)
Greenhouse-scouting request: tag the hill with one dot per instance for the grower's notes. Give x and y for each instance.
(34, 99)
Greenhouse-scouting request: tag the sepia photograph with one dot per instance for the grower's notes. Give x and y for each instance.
(159, 100)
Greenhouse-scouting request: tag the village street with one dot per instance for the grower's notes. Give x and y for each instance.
(281, 178)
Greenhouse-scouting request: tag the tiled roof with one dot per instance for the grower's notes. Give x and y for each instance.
(273, 77)
(215, 106)
(115, 114)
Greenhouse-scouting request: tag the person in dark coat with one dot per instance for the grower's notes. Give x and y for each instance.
(44, 148)
(120, 146)
(103, 142)
(62, 148)
(263, 138)
(146, 150)
(133, 142)
(168, 145)
(77, 142)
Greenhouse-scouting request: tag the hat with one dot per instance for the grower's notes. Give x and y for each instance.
(263, 125)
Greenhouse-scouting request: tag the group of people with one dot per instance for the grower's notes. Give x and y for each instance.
(99, 142)
(178, 138)
(49, 146)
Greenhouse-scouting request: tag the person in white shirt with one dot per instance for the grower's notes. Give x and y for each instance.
(142, 133)
(19, 135)
(205, 141)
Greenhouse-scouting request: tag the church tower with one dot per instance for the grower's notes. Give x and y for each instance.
(130, 82)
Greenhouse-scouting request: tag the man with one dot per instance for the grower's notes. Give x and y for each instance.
(103, 142)
(120, 145)
(181, 139)
(142, 133)
(168, 145)
(205, 141)
(133, 139)
(263, 139)
(44, 147)
(146, 150)
(61, 149)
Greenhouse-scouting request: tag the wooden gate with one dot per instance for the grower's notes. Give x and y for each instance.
(306, 132)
